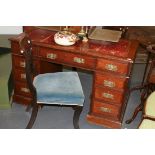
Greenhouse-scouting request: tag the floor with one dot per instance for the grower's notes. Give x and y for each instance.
(61, 118)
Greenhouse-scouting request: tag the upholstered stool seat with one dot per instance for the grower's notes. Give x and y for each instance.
(59, 88)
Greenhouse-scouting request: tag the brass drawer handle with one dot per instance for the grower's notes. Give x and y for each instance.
(107, 95)
(25, 90)
(22, 64)
(109, 83)
(51, 56)
(105, 109)
(23, 76)
(111, 67)
(79, 60)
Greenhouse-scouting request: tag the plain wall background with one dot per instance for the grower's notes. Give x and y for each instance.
(7, 32)
(11, 29)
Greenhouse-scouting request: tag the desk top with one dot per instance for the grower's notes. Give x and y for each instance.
(124, 49)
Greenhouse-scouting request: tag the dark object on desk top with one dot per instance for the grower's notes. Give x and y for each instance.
(105, 35)
(144, 34)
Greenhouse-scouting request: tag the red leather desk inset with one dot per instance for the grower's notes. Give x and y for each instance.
(111, 64)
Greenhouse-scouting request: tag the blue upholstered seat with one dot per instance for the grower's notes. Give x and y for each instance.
(62, 88)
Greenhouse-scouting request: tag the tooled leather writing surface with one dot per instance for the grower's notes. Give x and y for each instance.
(119, 49)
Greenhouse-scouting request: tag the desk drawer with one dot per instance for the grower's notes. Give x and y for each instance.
(113, 66)
(68, 58)
(51, 54)
(110, 81)
(107, 110)
(109, 95)
(19, 61)
(80, 60)
(16, 49)
(22, 100)
(20, 75)
(21, 88)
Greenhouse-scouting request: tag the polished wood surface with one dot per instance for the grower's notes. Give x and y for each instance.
(110, 63)
(115, 82)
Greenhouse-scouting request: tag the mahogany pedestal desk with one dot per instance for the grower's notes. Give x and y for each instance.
(110, 64)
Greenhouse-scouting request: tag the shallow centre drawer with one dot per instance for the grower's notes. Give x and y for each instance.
(110, 81)
(80, 60)
(50, 54)
(68, 58)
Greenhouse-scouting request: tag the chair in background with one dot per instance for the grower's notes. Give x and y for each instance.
(147, 87)
(58, 89)
(148, 120)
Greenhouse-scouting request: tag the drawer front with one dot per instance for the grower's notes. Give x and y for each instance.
(107, 110)
(109, 95)
(19, 75)
(50, 54)
(22, 100)
(21, 88)
(16, 49)
(68, 58)
(19, 62)
(80, 60)
(110, 81)
(113, 66)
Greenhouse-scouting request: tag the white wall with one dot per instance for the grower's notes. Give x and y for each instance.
(11, 29)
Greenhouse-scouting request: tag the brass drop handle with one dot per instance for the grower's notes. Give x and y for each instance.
(111, 67)
(79, 60)
(110, 84)
(107, 95)
(22, 64)
(25, 90)
(51, 56)
(105, 109)
(23, 76)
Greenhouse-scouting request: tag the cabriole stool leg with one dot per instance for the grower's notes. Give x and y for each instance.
(33, 117)
(77, 112)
